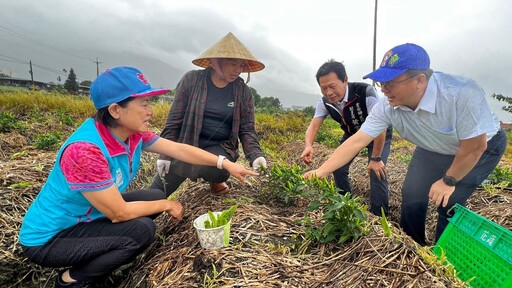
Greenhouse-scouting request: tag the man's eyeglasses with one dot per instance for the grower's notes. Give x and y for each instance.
(390, 84)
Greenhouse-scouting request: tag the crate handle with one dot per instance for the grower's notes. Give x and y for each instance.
(451, 211)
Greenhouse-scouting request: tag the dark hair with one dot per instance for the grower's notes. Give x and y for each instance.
(331, 66)
(416, 72)
(103, 115)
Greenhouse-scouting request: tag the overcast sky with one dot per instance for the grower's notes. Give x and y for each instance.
(292, 38)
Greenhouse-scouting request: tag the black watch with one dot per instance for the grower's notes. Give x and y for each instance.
(376, 159)
(449, 180)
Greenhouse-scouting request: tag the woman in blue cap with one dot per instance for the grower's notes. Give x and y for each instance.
(83, 218)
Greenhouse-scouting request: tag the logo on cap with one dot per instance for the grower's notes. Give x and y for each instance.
(142, 78)
(390, 59)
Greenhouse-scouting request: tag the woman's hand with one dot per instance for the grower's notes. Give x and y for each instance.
(238, 171)
(175, 210)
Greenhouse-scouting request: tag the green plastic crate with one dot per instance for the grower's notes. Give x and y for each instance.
(479, 248)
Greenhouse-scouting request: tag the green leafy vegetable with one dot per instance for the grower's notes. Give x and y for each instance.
(221, 219)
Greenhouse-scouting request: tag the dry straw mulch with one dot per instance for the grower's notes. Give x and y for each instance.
(261, 254)
(266, 250)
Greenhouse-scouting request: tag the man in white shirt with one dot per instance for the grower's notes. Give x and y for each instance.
(458, 139)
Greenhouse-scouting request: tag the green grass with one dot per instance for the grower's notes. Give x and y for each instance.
(273, 130)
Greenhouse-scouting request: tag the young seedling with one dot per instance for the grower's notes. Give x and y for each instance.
(221, 219)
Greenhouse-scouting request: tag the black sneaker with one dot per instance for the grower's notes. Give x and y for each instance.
(59, 283)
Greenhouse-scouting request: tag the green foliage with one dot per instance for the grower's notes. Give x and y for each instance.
(211, 281)
(47, 141)
(499, 179)
(329, 133)
(384, 223)
(506, 99)
(275, 129)
(86, 83)
(406, 159)
(221, 219)
(8, 122)
(65, 117)
(286, 127)
(59, 89)
(500, 175)
(18, 155)
(309, 111)
(266, 104)
(494, 189)
(20, 185)
(71, 85)
(23, 101)
(287, 183)
(343, 216)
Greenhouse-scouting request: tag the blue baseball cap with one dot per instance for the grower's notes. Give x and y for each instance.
(118, 83)
(398, 60)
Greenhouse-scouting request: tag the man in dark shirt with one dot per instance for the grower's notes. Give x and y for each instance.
(349, 105)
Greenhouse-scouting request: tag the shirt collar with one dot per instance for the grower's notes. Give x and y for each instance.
(114, 145)
(345, 98)
(428, 101)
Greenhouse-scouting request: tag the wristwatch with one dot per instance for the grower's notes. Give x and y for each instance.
(449, 180)
(376, 159)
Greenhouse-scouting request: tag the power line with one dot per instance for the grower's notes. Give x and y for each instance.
(38, 42)
(12, 58)
(29, 39)
(13, 61)
(19, 61)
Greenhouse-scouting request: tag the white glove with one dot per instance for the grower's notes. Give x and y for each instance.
(162, 166)
(259, 162)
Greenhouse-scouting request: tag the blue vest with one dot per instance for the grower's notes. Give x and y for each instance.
(57, 207)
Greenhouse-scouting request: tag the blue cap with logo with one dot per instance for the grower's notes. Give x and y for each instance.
(398, 60)
(118, 83)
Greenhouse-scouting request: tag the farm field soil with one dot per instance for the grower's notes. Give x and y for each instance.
(264, 250)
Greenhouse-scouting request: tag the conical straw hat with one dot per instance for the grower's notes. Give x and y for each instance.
(229, 47)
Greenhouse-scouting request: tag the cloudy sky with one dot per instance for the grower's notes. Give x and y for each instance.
(292, 38)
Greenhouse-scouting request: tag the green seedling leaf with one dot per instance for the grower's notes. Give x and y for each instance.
(213, 219)
(220, 219)
(19, 154)
(20, 185)
(227, 214)
(384, 223)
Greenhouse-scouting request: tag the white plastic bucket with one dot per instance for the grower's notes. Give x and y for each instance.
(212, 238)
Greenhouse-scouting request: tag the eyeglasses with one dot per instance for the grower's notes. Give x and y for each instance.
(390, 84)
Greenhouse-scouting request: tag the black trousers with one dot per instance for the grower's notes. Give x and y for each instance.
(95, 249)
(379, 192)
(427, 167)
(208, 173)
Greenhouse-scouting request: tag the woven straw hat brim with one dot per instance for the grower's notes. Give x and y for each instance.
(229, 47)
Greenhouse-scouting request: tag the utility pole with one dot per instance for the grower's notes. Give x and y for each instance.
(375, 38)
(31, 73)
(97, 67)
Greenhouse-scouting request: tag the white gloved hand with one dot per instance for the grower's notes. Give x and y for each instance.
(258, 163)
(162, 166)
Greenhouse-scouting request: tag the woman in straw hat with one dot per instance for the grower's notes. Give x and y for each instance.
(83, 218)
(213, 109)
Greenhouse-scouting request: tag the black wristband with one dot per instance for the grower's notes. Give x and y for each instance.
(450, 181)
(376, 159)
